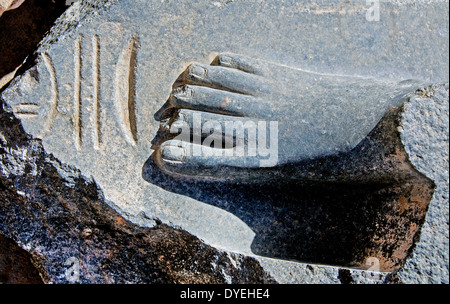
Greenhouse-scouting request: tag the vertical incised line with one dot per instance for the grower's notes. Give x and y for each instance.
(77, 93)
(96, 95)
(55, 94)
(132, 87)
(125, 91)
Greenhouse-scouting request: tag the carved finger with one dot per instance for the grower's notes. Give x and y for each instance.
(214, 101)
(222, 131)
(188, 159)
(222, 78)
(239, 62)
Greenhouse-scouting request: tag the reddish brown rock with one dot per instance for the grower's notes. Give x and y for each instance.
(15, 264)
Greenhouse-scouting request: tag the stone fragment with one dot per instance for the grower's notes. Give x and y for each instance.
(71, 235)
(102, 95)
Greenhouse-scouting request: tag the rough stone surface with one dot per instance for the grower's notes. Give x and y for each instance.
(61, 221)
(426, 137)
(424, 133)
(97, 57)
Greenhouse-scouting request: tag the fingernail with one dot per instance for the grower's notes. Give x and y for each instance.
(183, 92)
(173, 154)
(197, 71)
(225, 60)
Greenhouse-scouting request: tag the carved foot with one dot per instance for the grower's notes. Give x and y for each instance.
(244, 113)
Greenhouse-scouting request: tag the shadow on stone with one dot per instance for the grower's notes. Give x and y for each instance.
(61, 220)
(342, 210)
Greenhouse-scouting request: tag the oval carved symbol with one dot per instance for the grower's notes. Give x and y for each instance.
(125, 92)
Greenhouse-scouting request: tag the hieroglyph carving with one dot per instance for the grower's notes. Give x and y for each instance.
(124, 95)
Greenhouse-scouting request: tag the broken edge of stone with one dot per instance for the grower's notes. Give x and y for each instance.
(79, 11)
(16, 142)
(30, 174)
(56, 215)
(37, 190)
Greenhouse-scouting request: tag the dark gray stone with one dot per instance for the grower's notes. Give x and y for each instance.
(334, 79)
(315, 115)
